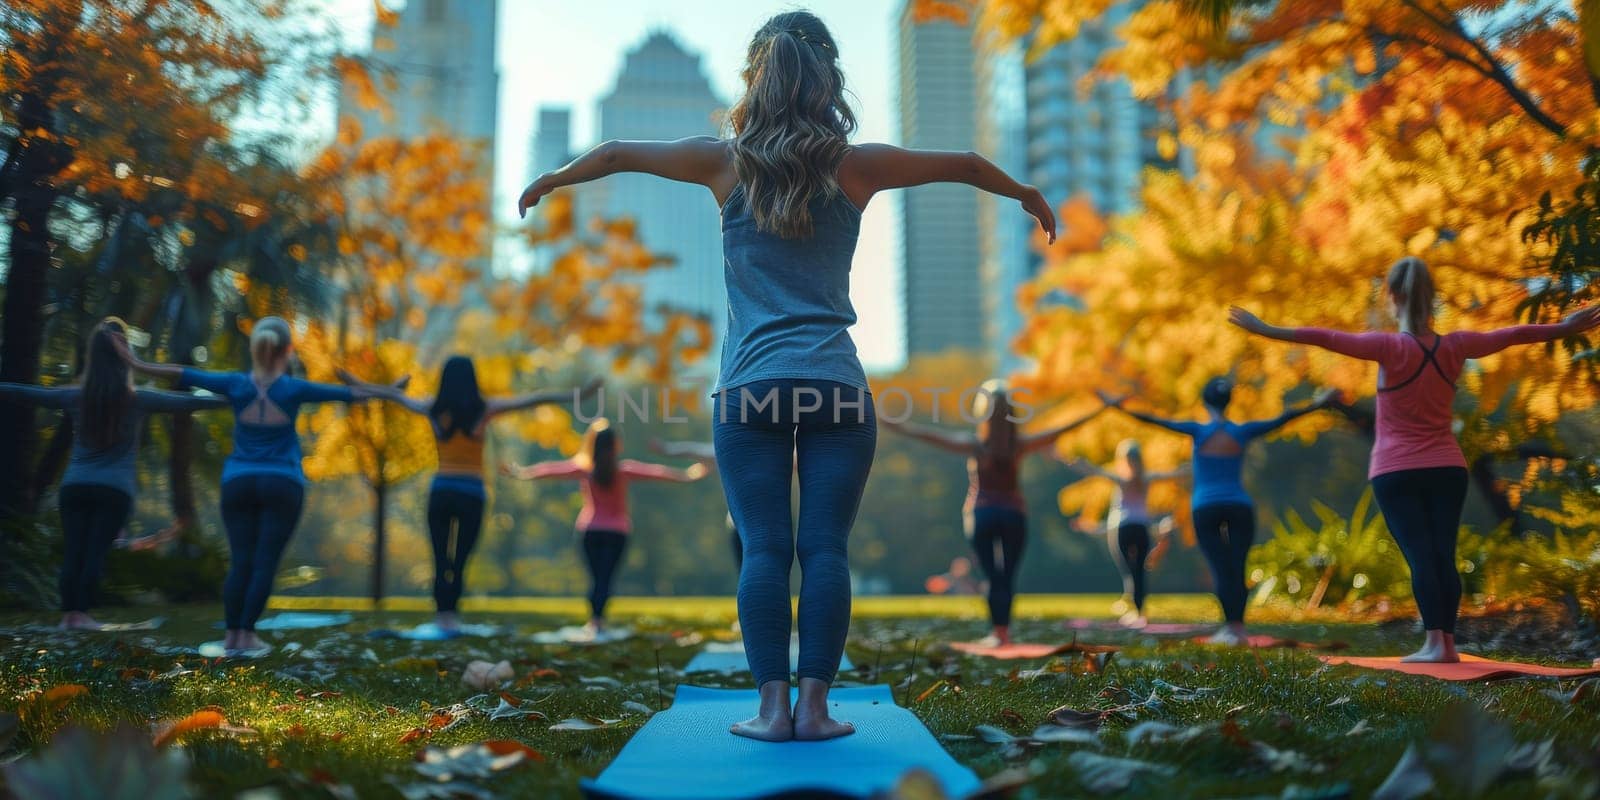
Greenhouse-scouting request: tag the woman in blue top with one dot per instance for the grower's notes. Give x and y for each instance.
(107, 413)
(1224, 514)
(791, 188)
(263, 487)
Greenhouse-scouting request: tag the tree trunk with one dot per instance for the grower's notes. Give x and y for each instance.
(379, 493)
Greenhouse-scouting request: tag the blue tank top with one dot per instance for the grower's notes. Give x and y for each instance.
(1219, 480)
(789, 312)
(264, 449)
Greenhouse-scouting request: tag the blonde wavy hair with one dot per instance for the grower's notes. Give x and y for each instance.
(791, 128)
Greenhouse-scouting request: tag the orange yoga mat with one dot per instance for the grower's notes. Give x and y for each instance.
(1027, 650)
(1470, 668)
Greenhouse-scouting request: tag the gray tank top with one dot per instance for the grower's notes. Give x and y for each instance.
(789, 311)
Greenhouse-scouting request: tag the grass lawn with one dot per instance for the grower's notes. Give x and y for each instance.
(332, 712)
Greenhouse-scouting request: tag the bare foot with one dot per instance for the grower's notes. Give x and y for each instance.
(773, 722)
(1134, 620)
(1002, 634)
(816, 729)
(811, 720)
(1435, 650)
(87, 623)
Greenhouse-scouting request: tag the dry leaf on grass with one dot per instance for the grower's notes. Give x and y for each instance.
(1103, 774)
(484, 676)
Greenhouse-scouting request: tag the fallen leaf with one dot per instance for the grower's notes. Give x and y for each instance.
(1011, 716)
(1285, 760)
(638, 708)
(501, 747)
(469, 761)
(1534, 757)
(485, 676)
(583, 724)
(1409, 779)
(1103, 774)
(413, 735)
(1361, 727)
(929, 691)
(1468, 745)
(1057, 734)
(993, 735)
(1583, 691)
(508, 711)
(168, 732)
(455, 790)
(603, 681)
(1069, 717)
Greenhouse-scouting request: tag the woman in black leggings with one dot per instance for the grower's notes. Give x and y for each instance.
(994, 513)
(459, 416)
(106, 413)
(1128, 527)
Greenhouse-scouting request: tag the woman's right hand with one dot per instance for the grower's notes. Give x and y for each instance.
(1584, 319)
(512, 470)
(536, 191)
(1034, 203)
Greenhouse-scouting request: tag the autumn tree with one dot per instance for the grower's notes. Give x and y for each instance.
(1425, 128)
(115, 123)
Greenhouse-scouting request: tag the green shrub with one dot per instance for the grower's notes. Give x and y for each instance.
(1338, 560)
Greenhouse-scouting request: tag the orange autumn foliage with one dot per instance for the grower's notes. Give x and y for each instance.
(1402, 129)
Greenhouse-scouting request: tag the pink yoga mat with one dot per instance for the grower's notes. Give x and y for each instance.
(1026, 650)
(1470, 668)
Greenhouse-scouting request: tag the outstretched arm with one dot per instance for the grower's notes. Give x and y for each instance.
(1088, 469)
(697, 159)
(883, 166)
(1477, 345)
(394, 393)
(171, 402)
(502, 405)
(564, 468)
(1170, 475)
(42, 396)
(964, 443)
(168, 371)
(1048, 437)
(640, 470)
(1323, 399)
(1369, 346)
(1170, 424)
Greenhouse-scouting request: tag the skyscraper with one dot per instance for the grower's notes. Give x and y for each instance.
(939, 237)
(442, 61)
(1089, 137)
(661, 93)
(552, 139)
(1006, 260)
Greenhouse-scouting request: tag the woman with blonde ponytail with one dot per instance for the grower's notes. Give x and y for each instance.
(791, 187)
(1418, 474)
(263, 487)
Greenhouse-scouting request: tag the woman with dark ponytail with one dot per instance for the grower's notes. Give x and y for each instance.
(791, 187)
(604, 522)
(1418, 474)
(459, 415)
(263, 487)
(97, 491)
(1224, 513)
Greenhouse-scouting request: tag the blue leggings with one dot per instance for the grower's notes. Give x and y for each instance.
(1225, 532)
(832, 430)
(91, 517)
(1423, 510)
(259, 512)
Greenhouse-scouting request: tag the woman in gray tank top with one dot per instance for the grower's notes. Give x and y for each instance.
(792, 395)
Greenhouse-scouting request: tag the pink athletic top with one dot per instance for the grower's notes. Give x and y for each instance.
(1417, 386)
(605, 508)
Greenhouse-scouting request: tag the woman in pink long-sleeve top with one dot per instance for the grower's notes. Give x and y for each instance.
(604, 520)
(1418, 474)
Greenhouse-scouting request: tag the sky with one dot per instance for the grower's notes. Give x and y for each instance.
(568, 53)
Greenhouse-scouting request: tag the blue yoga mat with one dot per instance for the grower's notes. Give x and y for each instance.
(729, 658)
(299, 620)
(687, 752)
(429, 632)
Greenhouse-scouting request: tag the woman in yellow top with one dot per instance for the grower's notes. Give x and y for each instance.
(460, 416)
